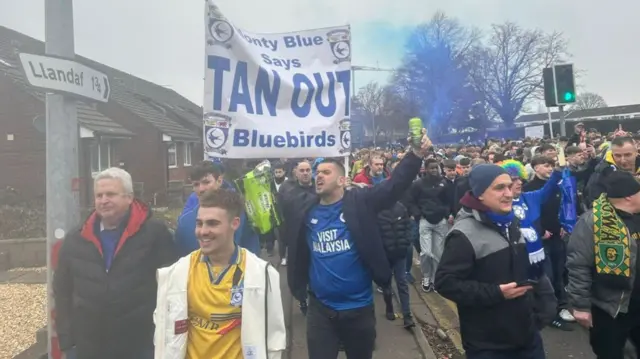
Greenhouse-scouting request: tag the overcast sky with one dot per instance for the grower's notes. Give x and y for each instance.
(163, 40)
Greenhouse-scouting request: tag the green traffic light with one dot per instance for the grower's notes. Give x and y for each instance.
(568, 96)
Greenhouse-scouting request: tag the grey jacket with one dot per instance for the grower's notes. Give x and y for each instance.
(582, 290)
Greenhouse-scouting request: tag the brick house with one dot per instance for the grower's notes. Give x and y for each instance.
(151, 131)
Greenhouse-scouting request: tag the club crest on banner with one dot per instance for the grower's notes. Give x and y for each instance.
(345, 135)
(340, 42)
(220, 31)
(216, 133)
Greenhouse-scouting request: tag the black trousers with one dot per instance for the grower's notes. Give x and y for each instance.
(328, 328)
(268, 240)
(555, 267)
(609, 335)
(282, 244)
(535, 351)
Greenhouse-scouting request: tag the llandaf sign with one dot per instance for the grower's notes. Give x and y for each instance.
(55, 74)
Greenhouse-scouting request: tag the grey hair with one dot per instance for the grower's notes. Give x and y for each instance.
(118, 174)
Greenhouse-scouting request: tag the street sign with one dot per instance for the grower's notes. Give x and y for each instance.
(60, 75)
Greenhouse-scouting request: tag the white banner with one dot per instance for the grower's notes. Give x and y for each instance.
(534, 131)
(275, 95)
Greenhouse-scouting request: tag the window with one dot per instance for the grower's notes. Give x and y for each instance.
(100, 155)
(172, 155)
(188, 147)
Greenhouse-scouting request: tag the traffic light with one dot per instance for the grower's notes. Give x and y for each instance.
(564, 84)
(549, 87)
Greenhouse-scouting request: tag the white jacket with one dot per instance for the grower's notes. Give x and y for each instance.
(263, 332)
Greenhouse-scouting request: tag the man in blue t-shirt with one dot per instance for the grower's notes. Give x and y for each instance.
(336, 275)
(339, 253)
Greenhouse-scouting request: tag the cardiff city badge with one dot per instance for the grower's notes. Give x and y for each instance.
(216, 133)
(340, 42)
(345, 135)
(236, 296)
(219, 30)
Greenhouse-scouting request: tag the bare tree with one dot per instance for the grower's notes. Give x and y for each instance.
(433, 70)
(370, 100)
(387, 107)
(588, 101)
(507, 71)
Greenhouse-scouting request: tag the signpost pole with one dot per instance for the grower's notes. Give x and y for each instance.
(550, 122)
(63, 208)
(563, 127)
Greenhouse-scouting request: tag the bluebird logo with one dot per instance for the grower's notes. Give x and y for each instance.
(345, 135)
(220, 31)
(340, 42)
(216, 132)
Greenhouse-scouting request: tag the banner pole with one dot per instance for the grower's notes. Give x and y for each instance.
(346, 165)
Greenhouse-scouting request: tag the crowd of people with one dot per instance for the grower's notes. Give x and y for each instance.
(485, 222)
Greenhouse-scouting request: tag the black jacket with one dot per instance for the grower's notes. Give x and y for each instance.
(477, 258)
(450, 192)
(287, 198)
(427, 198)
(582, 175)
(395, 231)
(360, 208)
(595, 186)
(109, 314)
(461, 188)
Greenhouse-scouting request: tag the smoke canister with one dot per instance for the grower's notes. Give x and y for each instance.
(415, 129)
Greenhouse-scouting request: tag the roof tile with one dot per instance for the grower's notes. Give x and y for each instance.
(124, 88)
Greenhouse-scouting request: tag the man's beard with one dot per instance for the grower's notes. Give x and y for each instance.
(279, 179)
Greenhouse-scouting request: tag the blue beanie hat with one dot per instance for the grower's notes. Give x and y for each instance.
(482, 176)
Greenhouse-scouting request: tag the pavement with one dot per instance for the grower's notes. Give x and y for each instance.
(24, 276)
(393, 341)
(443, 313)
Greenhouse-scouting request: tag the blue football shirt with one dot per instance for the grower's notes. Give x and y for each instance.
(337, 275)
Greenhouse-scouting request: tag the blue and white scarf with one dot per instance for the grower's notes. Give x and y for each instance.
(534, 244)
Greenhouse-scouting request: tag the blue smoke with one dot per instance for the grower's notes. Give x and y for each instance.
(437, 79)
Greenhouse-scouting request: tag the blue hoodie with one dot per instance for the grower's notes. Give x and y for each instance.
(185, 235)
(192, 201)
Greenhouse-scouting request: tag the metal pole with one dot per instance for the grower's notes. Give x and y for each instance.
(375, 133)
(563, 130)
(353, 78)
(550, 122)
(63, 208)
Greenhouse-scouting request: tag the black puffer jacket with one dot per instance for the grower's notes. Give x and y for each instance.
(109, 314)
(395, 230)
(427, 199)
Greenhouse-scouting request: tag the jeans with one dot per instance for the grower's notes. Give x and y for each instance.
(431, 246)
(609, 335)
(355, 329)
(71, 354)
(401, 284)
(415, 243)
(555, 267)
(408, 262)
(535, 351)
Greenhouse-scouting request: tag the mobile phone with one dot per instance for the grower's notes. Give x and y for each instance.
(528, 282)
